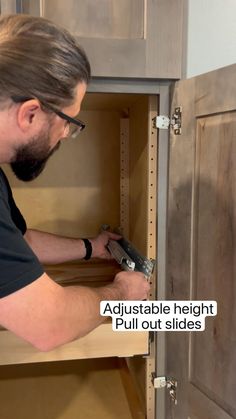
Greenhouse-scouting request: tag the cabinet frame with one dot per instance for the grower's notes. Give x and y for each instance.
(156, 359)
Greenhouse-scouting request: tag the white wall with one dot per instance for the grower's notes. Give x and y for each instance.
(211, 36)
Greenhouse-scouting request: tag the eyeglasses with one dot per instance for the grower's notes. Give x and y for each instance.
(74, 129)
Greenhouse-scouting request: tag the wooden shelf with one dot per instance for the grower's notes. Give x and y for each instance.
(101, 342)
(93, 273)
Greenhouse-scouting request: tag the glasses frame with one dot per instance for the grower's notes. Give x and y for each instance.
(79, 124)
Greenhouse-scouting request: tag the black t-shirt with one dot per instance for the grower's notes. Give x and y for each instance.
(19, 266)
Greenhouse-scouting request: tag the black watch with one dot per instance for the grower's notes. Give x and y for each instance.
(89, 249)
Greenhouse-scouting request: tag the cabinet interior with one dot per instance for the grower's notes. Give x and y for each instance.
(66, 390)
(79, 190)
(91, 180)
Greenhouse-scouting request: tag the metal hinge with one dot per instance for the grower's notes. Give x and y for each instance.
(175, 122)
(169, 382)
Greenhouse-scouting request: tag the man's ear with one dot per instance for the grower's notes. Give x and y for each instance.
(28, 114)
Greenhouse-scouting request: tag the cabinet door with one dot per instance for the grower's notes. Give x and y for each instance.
(201, 243)
(125, 38)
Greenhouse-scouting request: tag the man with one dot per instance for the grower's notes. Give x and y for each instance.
(43, 79)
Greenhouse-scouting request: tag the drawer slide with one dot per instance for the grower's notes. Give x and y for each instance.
(129, 258)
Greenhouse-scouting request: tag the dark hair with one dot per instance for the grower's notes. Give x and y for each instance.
(40, 59)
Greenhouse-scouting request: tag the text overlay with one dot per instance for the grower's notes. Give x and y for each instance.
(158, 315)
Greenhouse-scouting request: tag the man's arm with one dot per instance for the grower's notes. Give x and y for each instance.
(50, 248)
(48, 315)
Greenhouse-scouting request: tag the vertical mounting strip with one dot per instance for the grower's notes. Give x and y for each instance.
(124, 177)
(151, 250)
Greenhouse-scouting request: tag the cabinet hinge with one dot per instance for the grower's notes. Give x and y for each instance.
(169, 382)
(165, 122)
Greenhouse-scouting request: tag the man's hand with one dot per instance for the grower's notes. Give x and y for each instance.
(132, 285)
(100, 242)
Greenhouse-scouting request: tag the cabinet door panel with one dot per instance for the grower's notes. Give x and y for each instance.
(103, 19)
(129, 38)
(126, 38)
(201, 251)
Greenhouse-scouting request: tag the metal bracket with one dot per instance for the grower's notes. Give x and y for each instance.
(169, 382)
(161, 122)
(129, 258)
(175, 122)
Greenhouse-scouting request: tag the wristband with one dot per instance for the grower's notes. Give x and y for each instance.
(89, 249)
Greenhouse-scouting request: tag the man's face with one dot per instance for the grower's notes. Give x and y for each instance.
(31, 158)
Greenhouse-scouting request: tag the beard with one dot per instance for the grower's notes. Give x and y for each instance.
(30, 159)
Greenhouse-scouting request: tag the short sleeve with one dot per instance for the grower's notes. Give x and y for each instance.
(16, 215)
(19, 266)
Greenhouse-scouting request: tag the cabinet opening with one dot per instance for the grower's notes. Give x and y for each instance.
(100, 177)
(107, 175)
(68, 390)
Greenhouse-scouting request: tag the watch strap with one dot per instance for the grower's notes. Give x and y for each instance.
(89, 249)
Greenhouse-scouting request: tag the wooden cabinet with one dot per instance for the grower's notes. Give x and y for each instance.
(91, 188)
(125, 38)
(106, 175)
(111, 175)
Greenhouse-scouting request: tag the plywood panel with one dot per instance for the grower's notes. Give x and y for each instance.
(101, 342)
(143, 172)
(67, 390)
(110, 101)
(143, 157)
(138, 173)
(79, 188)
